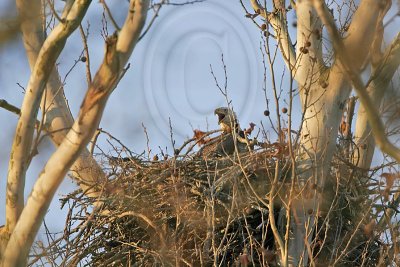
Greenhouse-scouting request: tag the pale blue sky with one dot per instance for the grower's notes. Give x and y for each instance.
(169, 78)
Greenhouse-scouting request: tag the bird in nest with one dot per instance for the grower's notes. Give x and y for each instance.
(227, 120)
(232, 136)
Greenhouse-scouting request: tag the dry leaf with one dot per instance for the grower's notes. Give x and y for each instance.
(283, 134)
(369, 229)
(199, 136)
(244, 259)
(250, 129)
(269, 255)
(280, 149)
(390, 179)
(343, 126)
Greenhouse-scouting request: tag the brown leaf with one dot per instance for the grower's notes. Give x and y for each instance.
(343, 126)
(280, 149)
(244, 259)
(200, 137)
(282, 134)
(390, 179)
(369, 229)
(250, 129)
(270, 255)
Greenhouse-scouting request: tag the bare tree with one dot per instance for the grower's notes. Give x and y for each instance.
(23, 221)
(311, 198)
(324, 89)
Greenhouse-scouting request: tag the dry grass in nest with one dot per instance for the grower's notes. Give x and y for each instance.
(192, 211)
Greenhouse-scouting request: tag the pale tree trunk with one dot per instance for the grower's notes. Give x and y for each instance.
(351, 71)
(21, 148)
(58, 118)
(323, 94)
(26, 222)
(383, 70)
(378, 84)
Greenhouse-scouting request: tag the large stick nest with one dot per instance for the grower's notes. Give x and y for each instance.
(196, 211)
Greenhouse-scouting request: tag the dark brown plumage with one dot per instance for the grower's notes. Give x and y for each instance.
(224, 144)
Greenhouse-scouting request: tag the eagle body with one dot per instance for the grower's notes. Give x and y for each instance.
(224, 144)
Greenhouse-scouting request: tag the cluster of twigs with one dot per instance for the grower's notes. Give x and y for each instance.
(199, 211)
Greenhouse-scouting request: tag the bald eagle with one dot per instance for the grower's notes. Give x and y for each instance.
(227, 120)
(231, 135)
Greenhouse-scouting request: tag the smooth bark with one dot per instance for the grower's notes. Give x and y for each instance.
(323, 92)
(377, 86)
(22, 143)
(118, 50)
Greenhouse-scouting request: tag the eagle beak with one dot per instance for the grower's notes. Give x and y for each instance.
(220, 117)
(220, 114)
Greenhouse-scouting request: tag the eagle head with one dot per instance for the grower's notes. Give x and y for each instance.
(226, 119)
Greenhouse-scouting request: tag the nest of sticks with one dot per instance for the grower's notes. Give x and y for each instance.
(195, 211)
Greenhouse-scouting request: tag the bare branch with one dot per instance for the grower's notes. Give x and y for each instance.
(363, 28)
(78, 137)
(376, 88)
(281, 31)
(49, 53)
(58, 117)
(87, 56)
(351, 68)
(108, 11)
(4, 104)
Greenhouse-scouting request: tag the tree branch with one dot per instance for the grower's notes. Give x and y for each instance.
(77, 138)
(4, 104)
(58, 118)
(310, 65)
(350, 66)
(362, 29)
(19, 159)
(377, 86)
(279, 24)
